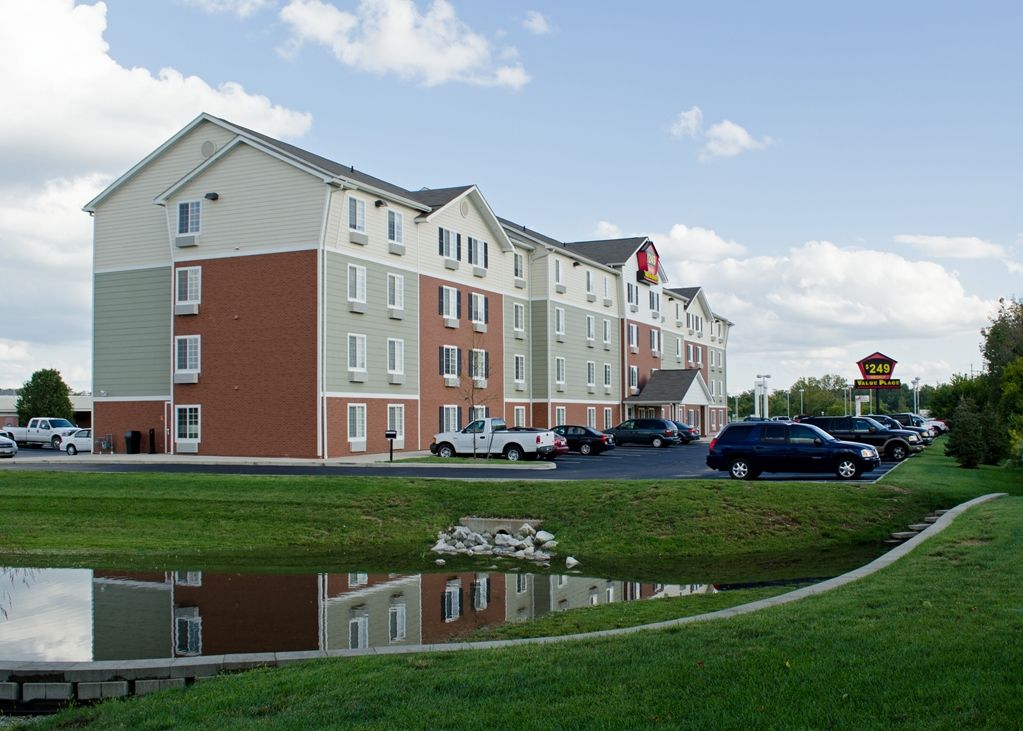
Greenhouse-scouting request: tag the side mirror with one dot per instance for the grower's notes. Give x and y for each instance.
(872, 429)
(818, 442)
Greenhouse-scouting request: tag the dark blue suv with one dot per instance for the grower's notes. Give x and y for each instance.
(746, 449)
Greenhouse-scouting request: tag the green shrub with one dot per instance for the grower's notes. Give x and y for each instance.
(966, 442)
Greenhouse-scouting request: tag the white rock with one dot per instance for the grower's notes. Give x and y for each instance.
(549, 545)
(480, 548)
(527, 530)
(570, 562)
(440, 562)
(543, 536)
(439, 546)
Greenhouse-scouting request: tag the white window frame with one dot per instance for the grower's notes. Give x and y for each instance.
(193, 218)
(450, 303)
(360, 624)
(450, 417)
(591, 417)
(559, 370)
(559, 320)
(633, 335)
(478, 364)
(558, 271)
(397, 622)
(189, 619)
(518, 265)
(451, 358)
(452, 600)
(395, 227)
(591, 373)
(395, 356)
(396, 420)
(449, 245)
(591, 328)
(589, 282)
(359, 295)
(519, 415)
(477, 307)
(188, 409)
(519, 371)
(519, 317)
(476, 413)
(192, 345)
(607, 287)
(607, 375)
(560, 415)
(356, 214)
(607, 331)
(633, 377)
(192, 284)
(396, 291)
(477, 252)
(356, 423)
(608, 418)
(358, 363)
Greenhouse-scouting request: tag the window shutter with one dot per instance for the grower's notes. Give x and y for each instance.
(486, 309)
(458, 247)
(441, 349)
(440, 241)
(458, 372)
(461, 602)
(440, 300)
(458, 306)
(459, 424)
(486, 255)
(470, 253)
(486, 364)
(443, 595)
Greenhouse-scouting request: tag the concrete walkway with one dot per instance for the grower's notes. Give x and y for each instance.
(49, 683)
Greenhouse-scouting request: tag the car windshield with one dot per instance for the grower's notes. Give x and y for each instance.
(60, 423)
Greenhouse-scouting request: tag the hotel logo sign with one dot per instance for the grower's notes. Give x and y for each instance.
(647, 262)
(877, 370)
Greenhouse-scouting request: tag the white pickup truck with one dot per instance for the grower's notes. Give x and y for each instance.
(492, 436)
(42, 430)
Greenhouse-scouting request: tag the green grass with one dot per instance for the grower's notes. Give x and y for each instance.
(932, 642)
(673, 531)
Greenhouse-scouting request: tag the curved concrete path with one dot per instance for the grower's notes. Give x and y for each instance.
(57, 682)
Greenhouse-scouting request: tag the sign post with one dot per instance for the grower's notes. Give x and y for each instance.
(391, 435)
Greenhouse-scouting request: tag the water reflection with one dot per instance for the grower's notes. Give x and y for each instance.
(76, 615)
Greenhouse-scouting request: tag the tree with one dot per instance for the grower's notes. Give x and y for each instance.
(1003, 340)
(44, 394)
(966, 440)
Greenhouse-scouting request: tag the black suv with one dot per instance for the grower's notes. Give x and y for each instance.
(746, 449)
(894, 444)
(926, 436)
(657, 432)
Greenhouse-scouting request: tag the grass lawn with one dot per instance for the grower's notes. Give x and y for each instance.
(672, 531)
(934, 641)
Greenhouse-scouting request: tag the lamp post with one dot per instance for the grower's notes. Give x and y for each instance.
(801, 412)
(760, 387)
(788, 403)
(916, 395)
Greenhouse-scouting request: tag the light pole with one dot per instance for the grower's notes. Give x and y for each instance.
(916, 395)
(788, 403)
(801, 412)
(760, 387)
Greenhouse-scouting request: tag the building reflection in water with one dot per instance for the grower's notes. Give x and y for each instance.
(175, 614)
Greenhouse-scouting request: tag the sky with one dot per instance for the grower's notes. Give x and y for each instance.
(839, 178)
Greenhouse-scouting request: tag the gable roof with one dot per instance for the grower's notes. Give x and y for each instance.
(610, 252)
(437, 198)
(670, 387)
(686, 293)
(520, 230)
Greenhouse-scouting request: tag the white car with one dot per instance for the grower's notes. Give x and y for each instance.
(79, 441)
(8, 447)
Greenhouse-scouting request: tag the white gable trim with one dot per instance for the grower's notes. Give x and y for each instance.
(488, 216)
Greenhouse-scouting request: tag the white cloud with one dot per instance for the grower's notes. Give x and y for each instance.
(953, 247)
(69, 107)
(241, 8)
(393, 37)
(536, 23)
(728, 139)
(687, 124)
(695, 244)
(607, 230)
(1014, 267)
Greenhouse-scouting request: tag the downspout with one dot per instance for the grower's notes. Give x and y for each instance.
(170, 373)
(322, 449)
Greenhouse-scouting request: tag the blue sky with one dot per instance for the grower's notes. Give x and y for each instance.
(839, 179)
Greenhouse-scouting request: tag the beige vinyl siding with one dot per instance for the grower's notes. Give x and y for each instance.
(375, 323)
(375, 601)
(264, 203)
(131, 344)
(499, 272)
(151, 608)
(541, 274)
(129, 229)
(376, 228)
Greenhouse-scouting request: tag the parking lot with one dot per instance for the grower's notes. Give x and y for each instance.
(624, 463)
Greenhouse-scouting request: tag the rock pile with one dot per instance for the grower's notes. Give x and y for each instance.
(526, 543)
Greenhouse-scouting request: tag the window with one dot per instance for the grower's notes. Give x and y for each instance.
(189, 216)
(356, 352)
(395, 227)
(589, 282)
(591, 373)
(395, 356)
(633, 335)
(396, 622)
(479, 363)
(607, 288)
(690, 352)
(189, 286)
(678, 347)
(653, 341)
(187, 353)
(481, 592)
(591, 328)
(477, 414)
(187, 631)
(450, 361)
(521, 583)
(396, 419)
(356, 215)
(450, 303)
(450, 418)
(479, 308)
(560, 414)
(449, 244)
(451, 607)
(479, 253)
(591, 416)
(356, 283)
(632, 293)
(519, 415)
(188, 578)
(358, 631)
(607, 331)
(519, 317)
(633, 377)
(557, 271)
(608, 423)
(187, 423)
(559, 320)
(559, 370)
(699, 356)
(356, 422)
(357, 579)
(655, 301)
(520, 369)
(607, 375)
(396, 291)
(518, 266)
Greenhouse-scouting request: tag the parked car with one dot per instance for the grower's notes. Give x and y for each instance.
(585, 439)
(938, 426)
(655, 432)
(8, 447)
(79, 441)
(746, 450)
(895, 444)
(907, 420)
(492, 436)
(687, 433)
(43, 430)
(926, 435)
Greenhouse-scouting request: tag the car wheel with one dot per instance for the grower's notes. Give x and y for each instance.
(657, 442)
(897, 452)
(55, 442)
(513, 453)
(585, 449)
(446, 451)
(72, 450)
(740, 470)
(847, 469)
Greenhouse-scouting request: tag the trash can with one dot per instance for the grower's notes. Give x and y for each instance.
(132, 442)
